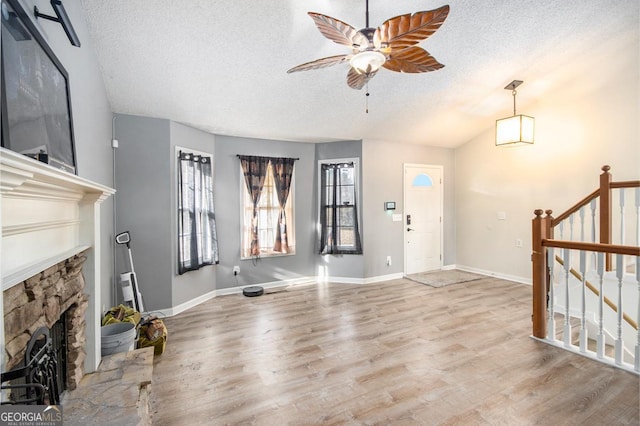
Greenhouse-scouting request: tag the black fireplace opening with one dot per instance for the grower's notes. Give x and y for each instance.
(40, 378)
(59, 342)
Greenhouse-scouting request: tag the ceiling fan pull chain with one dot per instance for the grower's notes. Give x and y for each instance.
(366, 100)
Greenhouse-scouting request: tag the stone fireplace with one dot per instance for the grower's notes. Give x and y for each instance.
(50, 259)
(42, 300)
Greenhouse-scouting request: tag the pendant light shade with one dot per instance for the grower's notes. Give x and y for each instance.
(517, 129)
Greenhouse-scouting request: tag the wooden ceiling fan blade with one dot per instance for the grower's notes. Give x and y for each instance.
(337, 31)
(355, 80)
(320, 63)
(413, 59)
(407, 30)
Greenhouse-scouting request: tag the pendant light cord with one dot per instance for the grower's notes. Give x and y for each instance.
(514, 101)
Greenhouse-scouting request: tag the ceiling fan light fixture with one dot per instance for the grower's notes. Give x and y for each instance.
(367, 62)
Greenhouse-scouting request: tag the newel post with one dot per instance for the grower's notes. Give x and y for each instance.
(605, 212)
(541, 229)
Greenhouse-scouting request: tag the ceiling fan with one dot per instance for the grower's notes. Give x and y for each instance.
(392, 45)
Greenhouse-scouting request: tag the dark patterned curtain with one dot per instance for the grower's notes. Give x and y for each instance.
(197, 239)
(282, 173)
(255, 171)
(338, 212)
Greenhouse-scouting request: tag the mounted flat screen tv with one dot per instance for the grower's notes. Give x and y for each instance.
(36, 109)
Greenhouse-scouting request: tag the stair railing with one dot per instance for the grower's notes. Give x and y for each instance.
(544, 244)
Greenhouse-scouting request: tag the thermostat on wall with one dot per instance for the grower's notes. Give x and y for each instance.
(389, 205)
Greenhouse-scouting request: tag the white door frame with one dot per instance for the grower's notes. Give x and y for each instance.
(404, 214)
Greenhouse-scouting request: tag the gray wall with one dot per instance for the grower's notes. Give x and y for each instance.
(147, 207)
(383, 181)
(227, 198)
(143, 204)
(351, 265)
(91, 117)
(195, 283)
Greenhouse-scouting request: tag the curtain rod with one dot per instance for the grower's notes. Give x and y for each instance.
(239, 155)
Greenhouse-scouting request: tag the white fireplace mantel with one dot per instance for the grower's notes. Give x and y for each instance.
(47, 216)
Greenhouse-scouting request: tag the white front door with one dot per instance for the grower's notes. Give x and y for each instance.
(422, 218)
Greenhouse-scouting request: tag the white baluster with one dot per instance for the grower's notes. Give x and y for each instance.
(561, 227)
(581, 223)
(622, 224)
(637, 217)
(551, 322)
(583, 322)
(571, 227)
(593, 220)
(600, 340)
(566, 334)
(620, 276)
(637, 358)
(593, 227)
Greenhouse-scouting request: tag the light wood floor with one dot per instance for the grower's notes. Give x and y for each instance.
(397, 352)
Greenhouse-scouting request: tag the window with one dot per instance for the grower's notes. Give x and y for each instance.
(197, 240)
(268, 226)
(339, 231)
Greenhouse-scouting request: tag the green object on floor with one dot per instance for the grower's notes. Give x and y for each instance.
(121, 313)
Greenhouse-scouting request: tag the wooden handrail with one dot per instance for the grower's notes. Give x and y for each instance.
(542, 239)
(626, 184)
(586, 200)
(594, 290)
(597, 247)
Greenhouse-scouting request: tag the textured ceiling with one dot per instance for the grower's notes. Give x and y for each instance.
(220, 65)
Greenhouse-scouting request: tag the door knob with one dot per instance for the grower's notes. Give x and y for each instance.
(409, 229)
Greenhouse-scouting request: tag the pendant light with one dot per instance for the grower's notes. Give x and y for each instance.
(517, 129)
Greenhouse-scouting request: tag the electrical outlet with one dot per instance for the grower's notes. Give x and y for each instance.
(388, 260)
(236, 270)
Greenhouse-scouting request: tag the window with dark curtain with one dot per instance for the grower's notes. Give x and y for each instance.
(197, 239)
(339, 233)
(254, 170)
(268, 211)
(282, 174)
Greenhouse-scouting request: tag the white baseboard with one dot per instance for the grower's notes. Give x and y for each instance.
(507, 277)
(381, 278)
(369, 280)
(448, 267)
(169, 312)
(272, 284)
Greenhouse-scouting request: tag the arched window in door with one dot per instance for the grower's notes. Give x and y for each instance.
(422, 180)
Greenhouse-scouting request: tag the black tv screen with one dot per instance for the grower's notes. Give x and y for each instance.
(36, 113)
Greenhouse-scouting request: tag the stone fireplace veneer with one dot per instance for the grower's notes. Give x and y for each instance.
(40, 301)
